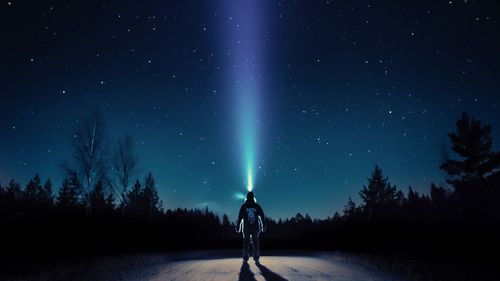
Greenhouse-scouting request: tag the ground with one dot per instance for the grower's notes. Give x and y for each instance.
(272, 268)
(207, 265)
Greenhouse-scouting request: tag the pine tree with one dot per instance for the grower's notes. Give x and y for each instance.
(150, 197)
(133, 199)
(350, 209)
(379, 196)
(336, 217)
(438, 195)
(476, 172)
(44, 195)
(97, 199)
(400, 197)
(12, 196)
(225, 221)
(226, 226)
(439, 200)
(413, 196)
(110, 202)
(32, 190)
(70, 194)
(417, 206)
(299, 218)
(13, 191)
(473, 144)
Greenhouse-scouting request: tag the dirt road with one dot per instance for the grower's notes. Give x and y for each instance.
(273, 268)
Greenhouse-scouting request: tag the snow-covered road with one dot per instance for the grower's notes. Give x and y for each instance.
(273, 268)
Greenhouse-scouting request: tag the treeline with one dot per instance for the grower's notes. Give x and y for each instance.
(101, 208)
(37, 204)
(95, 213)
(35, 222)
(461, 219)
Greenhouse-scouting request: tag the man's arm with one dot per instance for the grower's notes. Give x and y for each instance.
(260, 213)
(240, 218)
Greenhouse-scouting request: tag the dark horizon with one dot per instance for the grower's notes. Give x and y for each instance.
(342, 87)
(356, 197)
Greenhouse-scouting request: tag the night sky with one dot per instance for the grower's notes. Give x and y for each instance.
(311, 94)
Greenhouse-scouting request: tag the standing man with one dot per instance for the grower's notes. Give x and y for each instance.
(251, 222)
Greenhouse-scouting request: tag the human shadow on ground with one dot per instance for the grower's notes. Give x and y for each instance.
(268, 274)
(246, 274)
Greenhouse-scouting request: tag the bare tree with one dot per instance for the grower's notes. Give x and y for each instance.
(89, 151)
(124, 164)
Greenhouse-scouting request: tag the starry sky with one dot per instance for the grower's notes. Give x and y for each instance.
(323, 91)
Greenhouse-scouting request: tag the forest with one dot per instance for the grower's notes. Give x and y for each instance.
(104, 208)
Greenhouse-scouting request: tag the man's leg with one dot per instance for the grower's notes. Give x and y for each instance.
(246, 245)
(255, 243)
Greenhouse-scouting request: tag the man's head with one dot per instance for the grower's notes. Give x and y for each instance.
(250, 196)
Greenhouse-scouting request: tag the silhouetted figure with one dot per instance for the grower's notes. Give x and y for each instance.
(250, 222)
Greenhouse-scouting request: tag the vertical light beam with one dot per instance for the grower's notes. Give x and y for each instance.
(246, 27)
(248, 131)
(249, 179)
